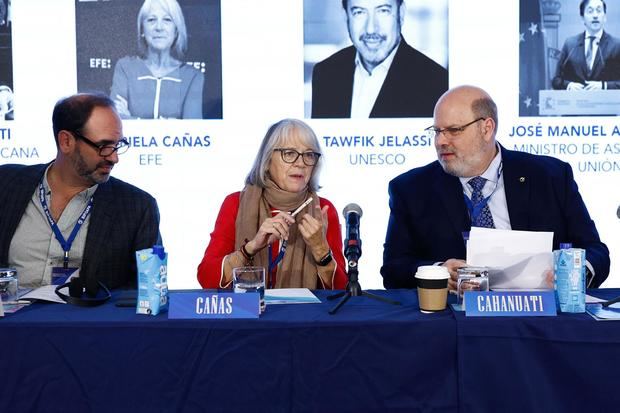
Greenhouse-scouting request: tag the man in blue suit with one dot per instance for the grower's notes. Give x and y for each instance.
(590, 60)
(70, 213)
(431, 206)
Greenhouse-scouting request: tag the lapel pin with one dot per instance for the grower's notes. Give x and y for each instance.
(522, 179)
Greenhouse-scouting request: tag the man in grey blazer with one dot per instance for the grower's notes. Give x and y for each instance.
(70, 213)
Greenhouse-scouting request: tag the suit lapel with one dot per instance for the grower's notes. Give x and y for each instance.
(393, 78)
(21, 191)
(517, 189)
(100, 224)
(449, 190)
(599, 61)
(343, 87)
(582, 65)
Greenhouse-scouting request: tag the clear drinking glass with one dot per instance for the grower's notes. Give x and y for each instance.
(8, 285)
(471, 279)
(249, 280)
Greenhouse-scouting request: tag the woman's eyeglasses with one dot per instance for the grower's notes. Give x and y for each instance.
(289, 155)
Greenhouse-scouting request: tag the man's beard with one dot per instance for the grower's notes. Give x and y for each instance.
(90, 174)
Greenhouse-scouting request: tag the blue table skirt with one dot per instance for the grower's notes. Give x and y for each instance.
(370, 356)
(568, 363)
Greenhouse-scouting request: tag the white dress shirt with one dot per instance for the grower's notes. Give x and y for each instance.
(495, 189)
(366, 86)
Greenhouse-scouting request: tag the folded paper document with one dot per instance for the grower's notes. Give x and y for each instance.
(516, 259)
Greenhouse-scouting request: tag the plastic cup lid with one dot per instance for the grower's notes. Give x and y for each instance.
(432, 272)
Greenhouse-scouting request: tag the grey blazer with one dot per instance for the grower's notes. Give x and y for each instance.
(124, 219)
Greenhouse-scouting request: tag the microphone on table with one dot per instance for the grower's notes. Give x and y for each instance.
(352, 244)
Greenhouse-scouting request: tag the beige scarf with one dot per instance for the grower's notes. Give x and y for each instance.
(297, 268)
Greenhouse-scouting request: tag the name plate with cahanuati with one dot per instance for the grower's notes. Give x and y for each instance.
(510, 303)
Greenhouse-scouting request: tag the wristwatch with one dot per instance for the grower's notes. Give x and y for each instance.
(326, 259)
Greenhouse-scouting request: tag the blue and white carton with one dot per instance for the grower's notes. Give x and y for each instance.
(570, 278)
(152, 280)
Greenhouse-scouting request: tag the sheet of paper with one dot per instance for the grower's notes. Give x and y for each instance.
(290, 296)
(604, 313)
(45, 293)
(516, 259)
(590, 299)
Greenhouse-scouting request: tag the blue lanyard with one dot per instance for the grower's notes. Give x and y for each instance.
(476, 209)
(273, 264)
(65, 244)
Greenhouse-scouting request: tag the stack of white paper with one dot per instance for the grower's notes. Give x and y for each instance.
(516, 259)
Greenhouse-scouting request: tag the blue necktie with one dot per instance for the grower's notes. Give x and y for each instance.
(484, 219)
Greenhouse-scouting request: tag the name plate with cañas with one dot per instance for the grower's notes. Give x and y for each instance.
(213, 305)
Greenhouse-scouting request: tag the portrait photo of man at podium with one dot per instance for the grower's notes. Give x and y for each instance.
(590, 60)
(477, 182)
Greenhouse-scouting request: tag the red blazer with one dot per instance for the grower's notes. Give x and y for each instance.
(223, 243)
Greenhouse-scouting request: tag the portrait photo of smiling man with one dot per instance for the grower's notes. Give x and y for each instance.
(379, 75)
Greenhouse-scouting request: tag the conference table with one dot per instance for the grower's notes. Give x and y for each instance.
(368, 357)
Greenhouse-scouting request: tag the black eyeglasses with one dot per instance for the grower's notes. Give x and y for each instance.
(289, 155)
(105, 149)
(451, 131)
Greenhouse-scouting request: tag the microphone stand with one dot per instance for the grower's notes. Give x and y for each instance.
(353, 286)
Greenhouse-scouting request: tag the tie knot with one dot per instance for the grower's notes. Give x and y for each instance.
(477, 183)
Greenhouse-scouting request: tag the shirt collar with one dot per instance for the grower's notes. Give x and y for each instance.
(492, 172)
(85, 194)
(597, 36)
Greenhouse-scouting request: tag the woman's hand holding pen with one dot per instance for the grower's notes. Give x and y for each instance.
(270, 230)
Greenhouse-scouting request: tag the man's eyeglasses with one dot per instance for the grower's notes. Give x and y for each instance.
(309, 158)
(105, 149)
(451, 131)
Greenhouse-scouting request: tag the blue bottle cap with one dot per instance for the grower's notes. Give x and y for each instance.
(566, 245)
(159, 251)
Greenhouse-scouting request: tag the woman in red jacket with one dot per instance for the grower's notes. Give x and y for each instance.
(256, 226)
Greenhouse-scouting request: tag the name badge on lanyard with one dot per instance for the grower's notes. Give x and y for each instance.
(61, 274)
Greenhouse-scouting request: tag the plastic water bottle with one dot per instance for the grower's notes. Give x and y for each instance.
(570, 278)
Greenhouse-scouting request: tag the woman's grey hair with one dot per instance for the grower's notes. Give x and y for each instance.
(179, 47)
(278, 135)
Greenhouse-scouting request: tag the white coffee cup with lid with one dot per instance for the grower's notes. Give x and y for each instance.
(432, 282)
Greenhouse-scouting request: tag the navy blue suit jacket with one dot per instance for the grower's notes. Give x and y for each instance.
(124, 219)
(572, 65)
(412, 86)
(428, 215)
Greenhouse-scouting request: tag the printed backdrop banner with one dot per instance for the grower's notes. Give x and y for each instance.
(257, 70)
